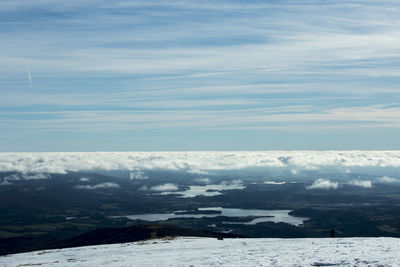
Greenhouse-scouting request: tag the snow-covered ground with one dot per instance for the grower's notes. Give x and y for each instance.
(228, 252)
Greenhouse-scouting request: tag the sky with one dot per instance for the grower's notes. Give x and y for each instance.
(93, 75)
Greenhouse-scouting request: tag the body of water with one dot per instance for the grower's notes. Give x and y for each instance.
(263, 216)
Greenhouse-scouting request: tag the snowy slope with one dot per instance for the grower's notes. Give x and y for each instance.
(227, 252)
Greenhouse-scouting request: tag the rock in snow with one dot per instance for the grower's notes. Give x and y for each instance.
(190, 251)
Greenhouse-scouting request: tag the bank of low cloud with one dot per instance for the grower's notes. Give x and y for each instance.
(199, 162)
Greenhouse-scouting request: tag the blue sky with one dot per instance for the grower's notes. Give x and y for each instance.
(199, 75)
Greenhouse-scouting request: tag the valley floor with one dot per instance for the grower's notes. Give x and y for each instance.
(228, 252)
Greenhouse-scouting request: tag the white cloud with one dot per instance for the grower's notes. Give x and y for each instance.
(274, 183)
(361, 183)
(23, 176)
(98, 186)
(84, 179)
(168, 187)
(323, 184)
(34, 176)
(387, 180)
(315, 118)
(309, 40)
(137, 174)
(62, 162)
(164, 187)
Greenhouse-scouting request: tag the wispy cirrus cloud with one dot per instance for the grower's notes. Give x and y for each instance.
(228, 66)
(283, 118)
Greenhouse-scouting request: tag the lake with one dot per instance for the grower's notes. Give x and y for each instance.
(263, 215)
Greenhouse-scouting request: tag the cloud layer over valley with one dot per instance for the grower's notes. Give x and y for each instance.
(292, 161)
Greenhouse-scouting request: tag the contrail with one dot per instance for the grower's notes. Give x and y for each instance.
(29, 76)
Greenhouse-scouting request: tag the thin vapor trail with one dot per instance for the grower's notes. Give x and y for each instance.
(29, 75)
